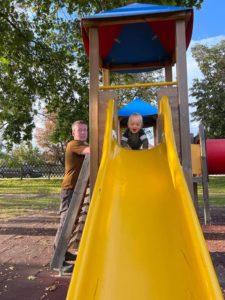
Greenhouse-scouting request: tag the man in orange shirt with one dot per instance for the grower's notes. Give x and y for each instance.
(74, 156)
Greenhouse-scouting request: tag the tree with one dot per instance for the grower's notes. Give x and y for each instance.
(147, 94)
(37, 64)
(52, 152)
(20, 155)
(42, 60)
(209, 92)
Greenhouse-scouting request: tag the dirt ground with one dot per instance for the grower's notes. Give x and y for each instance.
(215, 239)
(26, 250)
(25, 253)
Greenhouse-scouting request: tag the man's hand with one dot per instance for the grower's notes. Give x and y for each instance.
(86, 150)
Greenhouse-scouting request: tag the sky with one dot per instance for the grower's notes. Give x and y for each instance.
(209, 20)
(208, 29)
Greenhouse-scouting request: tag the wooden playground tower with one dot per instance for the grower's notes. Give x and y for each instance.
(177, 91)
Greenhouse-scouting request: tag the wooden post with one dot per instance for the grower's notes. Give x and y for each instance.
(155, 134)
(119, 131)
(116, 124)
(172, 94)
(181, 65)
(106, 77)
(160, 125)
(207, 217)
(103, 98)
(93, 103)
(195, 188)
(168, 73)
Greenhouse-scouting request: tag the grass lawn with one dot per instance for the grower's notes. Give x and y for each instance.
(216, 191)
(19, 197)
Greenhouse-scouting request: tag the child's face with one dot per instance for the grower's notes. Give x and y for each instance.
(134, 124)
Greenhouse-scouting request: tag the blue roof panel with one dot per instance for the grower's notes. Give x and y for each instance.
(137, 9)
(130, 40)
(139, 106)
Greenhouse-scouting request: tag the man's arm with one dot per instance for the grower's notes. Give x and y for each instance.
(86, 150)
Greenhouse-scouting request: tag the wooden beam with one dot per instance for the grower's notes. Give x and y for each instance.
(105, 77)
(181, 67)
(96, 22)
(93, 103)
(137, 66)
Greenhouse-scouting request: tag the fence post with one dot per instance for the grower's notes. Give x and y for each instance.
(49, 172)
(21, 172)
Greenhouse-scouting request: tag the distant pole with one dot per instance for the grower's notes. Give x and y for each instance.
(205, 186)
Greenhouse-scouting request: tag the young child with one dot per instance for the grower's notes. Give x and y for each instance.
(134, 136)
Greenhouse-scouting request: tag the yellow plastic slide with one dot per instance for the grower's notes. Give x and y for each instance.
(142, 239)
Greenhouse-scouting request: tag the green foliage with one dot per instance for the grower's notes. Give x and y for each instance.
(147, 94)
(42, 62)
(210, 91)
(37, 64)
(20, 155)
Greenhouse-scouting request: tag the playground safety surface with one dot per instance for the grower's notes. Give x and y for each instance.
(26, 250)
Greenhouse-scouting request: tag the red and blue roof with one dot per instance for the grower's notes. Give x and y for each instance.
(137, 36)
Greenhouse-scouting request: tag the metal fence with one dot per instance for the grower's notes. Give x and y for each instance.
(31, 171)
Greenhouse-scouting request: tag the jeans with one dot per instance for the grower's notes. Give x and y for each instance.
(65, 196)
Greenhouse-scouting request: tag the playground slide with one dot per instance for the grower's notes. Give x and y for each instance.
(142, 239)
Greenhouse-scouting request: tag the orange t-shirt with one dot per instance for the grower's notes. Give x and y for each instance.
(73, 163)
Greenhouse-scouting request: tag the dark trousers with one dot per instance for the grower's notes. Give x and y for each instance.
(65, 196)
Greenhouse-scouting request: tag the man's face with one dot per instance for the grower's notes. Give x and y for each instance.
(80, 132)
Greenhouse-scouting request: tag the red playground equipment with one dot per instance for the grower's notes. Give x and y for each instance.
(216, 156)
